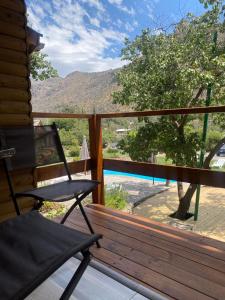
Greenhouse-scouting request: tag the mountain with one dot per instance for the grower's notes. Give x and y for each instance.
(85, 91)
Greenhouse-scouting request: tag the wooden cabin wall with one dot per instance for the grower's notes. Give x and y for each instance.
(15, 96)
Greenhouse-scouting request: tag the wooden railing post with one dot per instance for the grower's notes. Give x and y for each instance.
(95, 138)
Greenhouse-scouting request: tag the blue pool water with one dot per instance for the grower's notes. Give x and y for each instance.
(115, 173)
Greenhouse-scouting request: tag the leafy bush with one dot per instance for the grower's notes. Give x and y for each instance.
(213, 137)
(53, 209)
(116, 198)
(74, 151)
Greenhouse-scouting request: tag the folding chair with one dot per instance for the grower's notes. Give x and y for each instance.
(38, 146)
(33, 247)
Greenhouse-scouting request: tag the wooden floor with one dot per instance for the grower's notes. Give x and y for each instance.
(175, 263)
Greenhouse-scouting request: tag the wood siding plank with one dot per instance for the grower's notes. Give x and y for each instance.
(12, 30)
(10, 81)
(14, 94)
(12, 43)
(17, 5)
(13, 69)
(14, 119)
(14, 57)
(14, 107)
(12, 17)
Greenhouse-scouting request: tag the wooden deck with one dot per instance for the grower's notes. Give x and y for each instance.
(175, 263)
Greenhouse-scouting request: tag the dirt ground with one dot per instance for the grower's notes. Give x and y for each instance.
(211, 220)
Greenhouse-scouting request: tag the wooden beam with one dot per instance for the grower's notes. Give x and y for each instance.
(60, 115)
(58, 170)
(184, 174)
(164, 112)
(95, 138)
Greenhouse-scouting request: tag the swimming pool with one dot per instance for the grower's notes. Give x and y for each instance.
(115, 173)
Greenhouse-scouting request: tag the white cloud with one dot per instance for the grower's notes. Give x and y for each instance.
(120, 6)
(95, 22)
(69, 43)
(95, 3)
(117, 2)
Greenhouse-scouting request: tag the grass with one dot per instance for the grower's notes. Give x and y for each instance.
(52, 209)
(116, 198)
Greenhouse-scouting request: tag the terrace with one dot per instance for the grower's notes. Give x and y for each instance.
(176, 264)
(148, 258)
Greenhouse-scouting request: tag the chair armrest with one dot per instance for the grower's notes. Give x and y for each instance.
(7, 153)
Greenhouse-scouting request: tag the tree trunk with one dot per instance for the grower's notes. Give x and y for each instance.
(185, 200)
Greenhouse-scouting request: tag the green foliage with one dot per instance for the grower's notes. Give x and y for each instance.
(116, 198)
(53, 209)
(112, 153)
(171, 71)
(40, 67)
(213, 137)
(74, 151)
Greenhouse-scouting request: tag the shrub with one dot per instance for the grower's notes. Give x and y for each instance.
(74, 151)
(116, 198)
(52, 209)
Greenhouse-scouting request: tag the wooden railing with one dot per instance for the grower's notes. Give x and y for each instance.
(97, 164)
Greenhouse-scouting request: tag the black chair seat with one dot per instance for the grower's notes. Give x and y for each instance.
(61, 191)
(31, 249)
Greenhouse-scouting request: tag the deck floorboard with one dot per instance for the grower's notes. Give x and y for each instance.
(175, 263)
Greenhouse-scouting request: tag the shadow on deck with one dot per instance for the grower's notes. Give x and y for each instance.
(175, 263)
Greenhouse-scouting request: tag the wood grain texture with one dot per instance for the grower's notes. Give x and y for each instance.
(14, 57)
(15, 5)
(14, 119)
(15, 82)
(12, 30)
(95, 138)
(178, 267)
(14, 94)
(9, 42)
(13, 69)
(60, 115)
(58, 170)
(165, 112)
(14, 107)
(12, 17)
(184, 174)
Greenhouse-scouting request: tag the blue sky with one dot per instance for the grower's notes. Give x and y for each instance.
(88, 35)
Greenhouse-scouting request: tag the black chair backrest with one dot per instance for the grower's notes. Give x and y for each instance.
(22, 140)
(35, 146)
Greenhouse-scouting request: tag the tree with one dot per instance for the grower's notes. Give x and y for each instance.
(40, 67)
(173, 70)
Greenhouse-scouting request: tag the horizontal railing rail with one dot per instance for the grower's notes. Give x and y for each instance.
(164, 112)
(185, 174)
(96, 164)
(60, 115)
(57, 170)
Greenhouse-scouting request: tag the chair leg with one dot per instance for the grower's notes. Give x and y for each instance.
(69, 211)
(88, 222)
(77, 276)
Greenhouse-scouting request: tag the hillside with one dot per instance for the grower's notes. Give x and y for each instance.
(88, 91)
